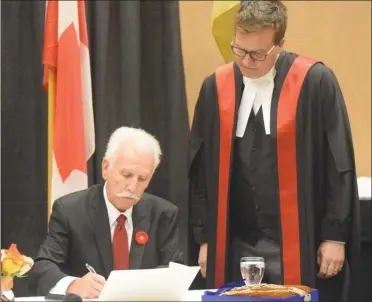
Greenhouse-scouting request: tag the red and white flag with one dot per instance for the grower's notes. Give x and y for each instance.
(70, 111)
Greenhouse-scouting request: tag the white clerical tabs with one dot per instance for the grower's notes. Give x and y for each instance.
(161, 284)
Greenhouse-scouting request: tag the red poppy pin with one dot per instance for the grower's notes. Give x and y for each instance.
(142, 237)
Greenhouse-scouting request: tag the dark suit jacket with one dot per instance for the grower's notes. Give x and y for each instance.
(79, 233)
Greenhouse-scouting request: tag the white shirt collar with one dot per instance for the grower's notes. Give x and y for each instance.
(268, 77)
(114, 213)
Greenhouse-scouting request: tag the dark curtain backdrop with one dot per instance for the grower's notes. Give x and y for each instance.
(137, 79)
(23, 129)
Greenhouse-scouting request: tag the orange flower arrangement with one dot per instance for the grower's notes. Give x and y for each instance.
(13, 263)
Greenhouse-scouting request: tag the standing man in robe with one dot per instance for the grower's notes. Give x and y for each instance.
(271, 164)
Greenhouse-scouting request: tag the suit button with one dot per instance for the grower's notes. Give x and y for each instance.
(257, 207)
(254, 129)
(254, 149)
(253, 188)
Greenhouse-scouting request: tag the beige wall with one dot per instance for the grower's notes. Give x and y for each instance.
(335, 32)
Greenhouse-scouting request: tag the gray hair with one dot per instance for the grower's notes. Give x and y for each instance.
(257, 14)
(135, 139)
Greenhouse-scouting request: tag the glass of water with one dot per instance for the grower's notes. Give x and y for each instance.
(252, 269)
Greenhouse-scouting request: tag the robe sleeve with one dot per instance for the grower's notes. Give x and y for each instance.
(339, 162)
(196, 170)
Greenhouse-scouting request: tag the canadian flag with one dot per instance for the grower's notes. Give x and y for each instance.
(70, 111)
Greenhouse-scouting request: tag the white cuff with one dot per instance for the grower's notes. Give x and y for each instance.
(61, 287)
(335, 241)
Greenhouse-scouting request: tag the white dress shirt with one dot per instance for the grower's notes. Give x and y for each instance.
(257, 92)
(113, 213)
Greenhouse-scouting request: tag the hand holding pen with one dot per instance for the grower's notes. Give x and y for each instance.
(89, 286)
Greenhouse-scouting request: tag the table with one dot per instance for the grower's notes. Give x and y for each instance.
(191, 295)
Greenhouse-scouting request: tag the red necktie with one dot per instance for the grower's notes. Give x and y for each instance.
(120, 245)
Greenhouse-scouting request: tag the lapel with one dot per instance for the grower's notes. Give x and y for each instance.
(239, 87)
(141, 222)
(101, 229)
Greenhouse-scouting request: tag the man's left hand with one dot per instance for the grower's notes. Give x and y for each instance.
(330, 258)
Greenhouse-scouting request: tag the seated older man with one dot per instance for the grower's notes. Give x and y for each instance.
(115, 226)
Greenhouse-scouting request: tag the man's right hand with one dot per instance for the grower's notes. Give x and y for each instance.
(203, 259)
(87, 287)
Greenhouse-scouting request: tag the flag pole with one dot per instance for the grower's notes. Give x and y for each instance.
(51, 105)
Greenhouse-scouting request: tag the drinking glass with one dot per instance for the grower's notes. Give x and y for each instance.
(252, 269)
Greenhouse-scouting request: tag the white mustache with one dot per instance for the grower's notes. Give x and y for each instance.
(127, 195)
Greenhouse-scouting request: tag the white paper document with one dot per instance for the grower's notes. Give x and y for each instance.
(161, 284)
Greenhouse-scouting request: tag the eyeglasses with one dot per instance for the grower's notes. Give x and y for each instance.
(254, 55)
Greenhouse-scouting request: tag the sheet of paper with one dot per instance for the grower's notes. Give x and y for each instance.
(161, 284)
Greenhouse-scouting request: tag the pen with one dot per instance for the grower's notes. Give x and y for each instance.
(90, 268)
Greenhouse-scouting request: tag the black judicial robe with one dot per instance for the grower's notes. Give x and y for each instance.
(318, 174)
